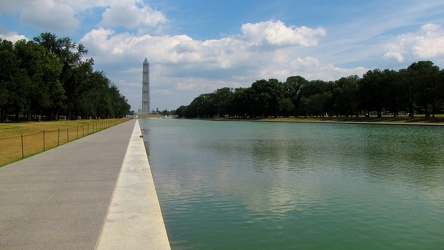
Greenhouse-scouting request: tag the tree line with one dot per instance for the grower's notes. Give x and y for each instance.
(48, 78)
(416, 89)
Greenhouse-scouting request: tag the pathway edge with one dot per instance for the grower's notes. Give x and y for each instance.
(134, 219)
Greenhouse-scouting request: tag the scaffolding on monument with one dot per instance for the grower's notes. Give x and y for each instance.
(146, 88)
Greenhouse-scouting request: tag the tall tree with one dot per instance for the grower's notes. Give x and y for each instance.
(266, 96)
(41, 77)
(70, 55)
(424, 75)
(374, 91)
(345, 101)
(285, 107)
(119, 103)
(202, 106)
(316, 98)
(409, 89)
(291, 89)
(222, 98)
(440, 88)
(243, 104)
(8, 75)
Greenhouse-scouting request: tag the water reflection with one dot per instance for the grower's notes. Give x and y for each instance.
(253, 184)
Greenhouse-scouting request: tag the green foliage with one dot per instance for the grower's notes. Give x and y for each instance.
(424, 76)
(344, 96)
(419, 88)
(47, 78)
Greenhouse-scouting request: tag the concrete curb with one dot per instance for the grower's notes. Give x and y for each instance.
(134, 219)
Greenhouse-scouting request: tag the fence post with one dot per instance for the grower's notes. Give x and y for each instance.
(44, 141)
(87, 133)
(58, 137)
(77, 132)
(67, 133)
(23, 145)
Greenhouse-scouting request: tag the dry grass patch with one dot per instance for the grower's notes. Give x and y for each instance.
(18, 140)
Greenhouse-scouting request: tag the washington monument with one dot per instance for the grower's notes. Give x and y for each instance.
(146, 88)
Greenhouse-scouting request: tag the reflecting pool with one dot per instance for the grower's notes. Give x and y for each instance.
(278, 185)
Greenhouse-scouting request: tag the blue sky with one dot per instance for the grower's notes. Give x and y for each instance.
(198, 46)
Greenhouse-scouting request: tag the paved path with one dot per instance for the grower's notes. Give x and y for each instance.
(60, 198)
(134, 219)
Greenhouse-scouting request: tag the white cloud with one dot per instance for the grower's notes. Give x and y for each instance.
(59, 17)
(131, 15)
(232, 52)
(115, 47)
(181, 68)
(426, 43)
(277, 34)
(13, 37)
(64, 16)
(431, 42)
(51, 15)
(81, 5)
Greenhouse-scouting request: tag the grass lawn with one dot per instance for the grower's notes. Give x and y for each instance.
(18, 140)
(438, 119)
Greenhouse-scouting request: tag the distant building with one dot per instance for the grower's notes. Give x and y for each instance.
(146, 88)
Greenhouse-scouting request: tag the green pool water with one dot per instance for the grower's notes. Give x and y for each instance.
(277, 185)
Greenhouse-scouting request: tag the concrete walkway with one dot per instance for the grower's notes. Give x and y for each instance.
(60, 198)
(134, 219)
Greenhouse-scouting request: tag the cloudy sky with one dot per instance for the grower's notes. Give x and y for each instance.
(198, 46)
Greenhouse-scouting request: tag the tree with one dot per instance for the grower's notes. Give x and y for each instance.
(424, 76)
(55, 94)
(67, 51)
(440, 87)
(181, 111)
(266, 96)
(395, 99)
(285, 107)
(388, 90)
(373, 91)
(70, 55)
(202, 107)
(41, 69)
(315, 98)
(47, 76)
(408, 89)
(222, 98)
(119, 103)
(78, 87)
(291, 90)
(243, 104)
(8, 74)
(316, 105)
(345, 101)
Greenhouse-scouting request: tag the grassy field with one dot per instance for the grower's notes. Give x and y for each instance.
(439, 119)
(385, 119)
(19, 140)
